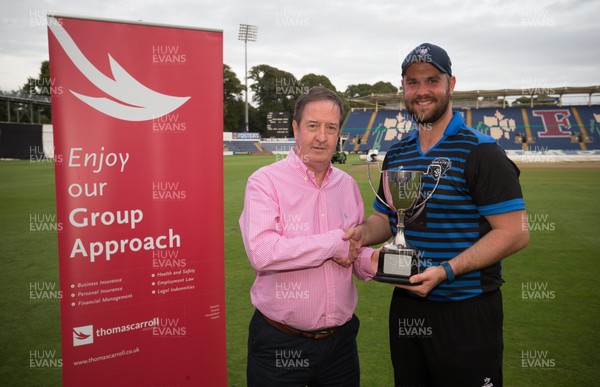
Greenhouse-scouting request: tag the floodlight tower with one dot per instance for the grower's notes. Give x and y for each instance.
(247, 34)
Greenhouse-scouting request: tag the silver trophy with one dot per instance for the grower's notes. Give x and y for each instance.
(403, 193)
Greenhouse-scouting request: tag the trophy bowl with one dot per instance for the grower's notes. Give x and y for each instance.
(402, 191)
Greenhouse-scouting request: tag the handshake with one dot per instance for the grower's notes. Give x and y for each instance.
(356, 237)
(399, 265)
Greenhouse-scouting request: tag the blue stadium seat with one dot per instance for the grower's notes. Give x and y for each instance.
(545, 128)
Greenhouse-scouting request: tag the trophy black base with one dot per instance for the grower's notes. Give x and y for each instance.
(397, 266)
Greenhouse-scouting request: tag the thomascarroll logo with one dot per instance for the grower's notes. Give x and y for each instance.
(83, 335)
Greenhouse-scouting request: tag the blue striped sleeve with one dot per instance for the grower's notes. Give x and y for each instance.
(382, 208)
(502, 207)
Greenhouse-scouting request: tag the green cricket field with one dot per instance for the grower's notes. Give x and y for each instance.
(551, 295)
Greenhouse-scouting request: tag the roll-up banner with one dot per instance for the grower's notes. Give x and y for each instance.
(138, 129)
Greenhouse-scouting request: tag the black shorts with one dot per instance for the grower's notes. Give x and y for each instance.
(446, 343)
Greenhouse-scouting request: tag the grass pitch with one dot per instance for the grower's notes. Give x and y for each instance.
(551, 294)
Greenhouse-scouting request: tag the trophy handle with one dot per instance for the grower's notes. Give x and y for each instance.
(437, 182)
(420, 206)
(371, 183)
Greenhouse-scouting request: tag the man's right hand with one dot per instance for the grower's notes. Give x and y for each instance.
(354, 236)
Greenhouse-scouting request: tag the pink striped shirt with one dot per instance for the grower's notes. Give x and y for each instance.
(291, 229)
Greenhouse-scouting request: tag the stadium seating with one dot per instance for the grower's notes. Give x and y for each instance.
(242, 146)
(277, 146)
(355, 127)
(566, 128)
(569, 129)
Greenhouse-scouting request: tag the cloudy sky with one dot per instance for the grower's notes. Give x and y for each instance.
(493, 44)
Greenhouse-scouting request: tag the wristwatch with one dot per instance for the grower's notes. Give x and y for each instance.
(449, 272)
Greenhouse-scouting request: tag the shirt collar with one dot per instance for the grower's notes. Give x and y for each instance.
(453, 127)
(455, 124)
(296, 163)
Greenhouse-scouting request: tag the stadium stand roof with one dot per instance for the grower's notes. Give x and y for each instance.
(476, 97)
(41, 100)
(28, 102)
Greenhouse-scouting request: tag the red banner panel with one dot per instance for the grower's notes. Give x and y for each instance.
(139, 186)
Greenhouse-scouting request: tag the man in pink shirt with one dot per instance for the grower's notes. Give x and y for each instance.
(295, 214)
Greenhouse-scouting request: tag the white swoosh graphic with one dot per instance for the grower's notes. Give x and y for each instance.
(139, 102)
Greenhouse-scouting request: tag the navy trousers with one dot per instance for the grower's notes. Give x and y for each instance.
(276, 358)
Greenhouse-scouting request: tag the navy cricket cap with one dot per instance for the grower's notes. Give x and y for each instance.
(429, 53)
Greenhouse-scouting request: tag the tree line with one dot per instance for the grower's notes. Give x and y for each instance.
(272, 89)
